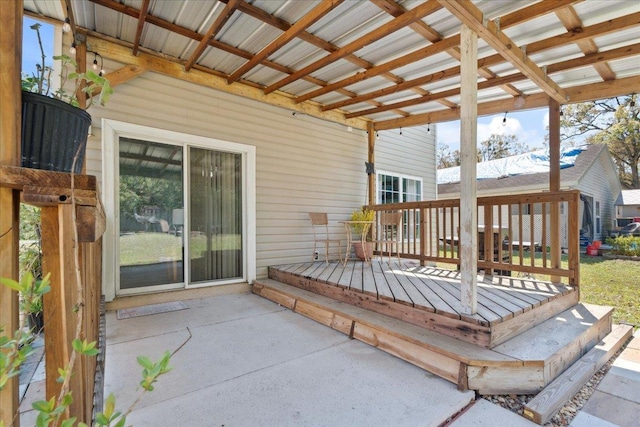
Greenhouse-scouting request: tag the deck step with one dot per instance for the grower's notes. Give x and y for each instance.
(439, 354)
(553, 346)
(542, 408)
(522, 365)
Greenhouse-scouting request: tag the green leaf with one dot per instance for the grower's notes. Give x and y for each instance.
(121, 422)
(145, 362)
(10, 283)
(43, 405)
(69, 423)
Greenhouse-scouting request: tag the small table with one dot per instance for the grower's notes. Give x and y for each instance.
(348, 227)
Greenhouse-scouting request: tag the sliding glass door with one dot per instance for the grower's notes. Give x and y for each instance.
(215, 206)
(180, 216)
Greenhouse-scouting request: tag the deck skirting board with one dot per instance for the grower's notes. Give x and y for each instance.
(457, 328)
(525, 364)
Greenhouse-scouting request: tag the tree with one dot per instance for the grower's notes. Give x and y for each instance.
(445, 158)
(614, 122)
(500, 146)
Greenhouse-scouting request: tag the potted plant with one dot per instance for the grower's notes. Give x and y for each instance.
(54, 127)
(359, 229)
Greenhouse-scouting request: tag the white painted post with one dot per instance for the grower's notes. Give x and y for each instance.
(468, 161)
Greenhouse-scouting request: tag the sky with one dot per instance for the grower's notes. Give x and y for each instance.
(30, 49)
(528, 126)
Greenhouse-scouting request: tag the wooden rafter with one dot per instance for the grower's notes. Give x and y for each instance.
(217, 25)
(596, 30)
(144, 9)
(386, 29)
(572, 22)
(198, 75)
(347, 90)
(593, 59)
(159, 22)
(470, 15)
(383, 68)
(66, 4)
(301, 25)
(588, 92)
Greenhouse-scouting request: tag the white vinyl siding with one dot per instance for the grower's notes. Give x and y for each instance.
(595, 183)
(411, 154)
(303, 164)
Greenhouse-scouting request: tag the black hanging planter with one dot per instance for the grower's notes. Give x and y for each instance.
(52, 132)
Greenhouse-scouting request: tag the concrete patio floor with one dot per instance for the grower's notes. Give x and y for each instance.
(251, 362)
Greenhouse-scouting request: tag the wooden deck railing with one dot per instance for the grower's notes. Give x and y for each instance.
(529, 232)
(72, 219)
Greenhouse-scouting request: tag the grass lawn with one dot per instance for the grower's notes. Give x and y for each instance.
(604, 281)
(613, 282)
(148, 248)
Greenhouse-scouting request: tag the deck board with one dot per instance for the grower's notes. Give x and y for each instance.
(506, 305)
(419, 300)
(368, 284)
(384, 289)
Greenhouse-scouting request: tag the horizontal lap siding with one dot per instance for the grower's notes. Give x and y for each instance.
(412, 153)
(597, 183)
(302, 164)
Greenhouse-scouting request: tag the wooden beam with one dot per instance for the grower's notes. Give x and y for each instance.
(572, 22)
(535, 47)
(69, 14)
(534, 11)
(554, 182)
(301, 25)
(371, 158)
(10, 113)
(417, 55)
(122, 75)
(471, 16)
(586, 60)
(380, 32)
(589, 92)
(312, 39)
(468, 157)
(217, 25)
(144, 9)
(163, 66)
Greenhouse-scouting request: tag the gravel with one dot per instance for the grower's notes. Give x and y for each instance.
(565, 415)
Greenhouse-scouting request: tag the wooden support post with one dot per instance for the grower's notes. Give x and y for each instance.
(58, 259)
(554, 183)
(371, 158)
(10, 113)
(468, 143)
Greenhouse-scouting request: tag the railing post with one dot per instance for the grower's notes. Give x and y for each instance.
(574, 241)
(11, 54)
(423, 235)
(488, 236)
(58, 259)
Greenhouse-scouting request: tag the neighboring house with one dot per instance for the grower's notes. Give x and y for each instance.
(591, 171)
(247, 170)
(628, 207)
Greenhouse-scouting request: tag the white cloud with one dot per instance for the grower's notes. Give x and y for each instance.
(449, 132)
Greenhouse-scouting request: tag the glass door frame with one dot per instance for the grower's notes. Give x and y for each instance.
(111, 132)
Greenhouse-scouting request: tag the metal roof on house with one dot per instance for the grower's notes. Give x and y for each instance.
(393, 63)
(628, 198)
(569, 177)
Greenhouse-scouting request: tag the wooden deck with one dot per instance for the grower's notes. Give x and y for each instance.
(524, 364)
(430, 297)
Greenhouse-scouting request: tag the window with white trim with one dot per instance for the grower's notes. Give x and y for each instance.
(395, 188)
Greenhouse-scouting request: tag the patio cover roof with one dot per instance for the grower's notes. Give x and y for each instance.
(354, 62)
